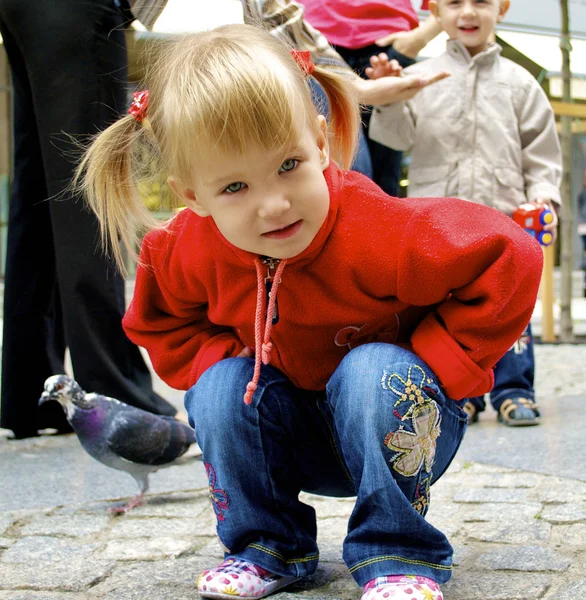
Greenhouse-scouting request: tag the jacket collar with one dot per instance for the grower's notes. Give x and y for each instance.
(457, 50)
(334, 179)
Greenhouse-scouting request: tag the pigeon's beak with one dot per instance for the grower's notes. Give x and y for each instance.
(44, 397)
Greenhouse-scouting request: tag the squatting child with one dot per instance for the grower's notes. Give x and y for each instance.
(486, 134)
(325, 332)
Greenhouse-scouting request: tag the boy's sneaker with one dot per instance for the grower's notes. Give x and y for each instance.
(406, 587)
(236, 578)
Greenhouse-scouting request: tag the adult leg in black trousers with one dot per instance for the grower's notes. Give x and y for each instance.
(386, 163)
(68, 62)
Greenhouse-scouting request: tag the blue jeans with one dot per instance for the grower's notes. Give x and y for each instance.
(361, 162)
(382, 431)
(513, 374)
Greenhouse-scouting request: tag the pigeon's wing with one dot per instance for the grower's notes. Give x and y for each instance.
(145, 438)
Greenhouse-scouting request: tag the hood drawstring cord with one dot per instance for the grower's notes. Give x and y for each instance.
(262, 348)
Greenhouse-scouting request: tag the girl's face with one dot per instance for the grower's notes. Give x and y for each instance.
(470, 21)
(271, 203)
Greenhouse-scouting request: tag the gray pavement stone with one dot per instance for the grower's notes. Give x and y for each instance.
(565, 513)
(478, 495)
(5, 522)
(73, 525)
(71, 576)
(524, 558)
(42, 549)
(147, 549)
(508, 533)
(497, 586)
(570, 535)
(574, 590)
(6, 543)
(497, 512)
(133, 528)
(154, 592)
(175, 505)
(38, 596)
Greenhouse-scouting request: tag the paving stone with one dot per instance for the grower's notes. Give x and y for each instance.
(497, 586)
(152, 592)
(6, 543)
(5, 522)
(146, 549)
(156, 527)
(508, 533)
(555, 490)
(514, 480)
(182, 571)
(332, 530)
(38, 596)
(72, 525)
(178, 505)
(70, 576)
(574, 590)
(481, 495)
(40, 549)
(565, 513)
(570, 535)
(525, 558)
(329, 507)
(497, 512)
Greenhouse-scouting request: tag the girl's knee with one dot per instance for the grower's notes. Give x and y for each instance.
(219, 391)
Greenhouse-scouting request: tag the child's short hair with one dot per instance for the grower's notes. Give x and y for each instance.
(228, 88)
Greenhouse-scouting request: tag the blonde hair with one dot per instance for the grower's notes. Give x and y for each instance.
(230, 88)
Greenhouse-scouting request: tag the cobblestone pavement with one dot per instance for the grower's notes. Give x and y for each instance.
(517, 534)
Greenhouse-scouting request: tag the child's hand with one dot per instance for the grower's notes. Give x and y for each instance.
(247, 352)
(381, 66)
(554, 208)
(387, 90)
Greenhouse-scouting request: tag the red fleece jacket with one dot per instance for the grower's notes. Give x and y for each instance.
(452, 280)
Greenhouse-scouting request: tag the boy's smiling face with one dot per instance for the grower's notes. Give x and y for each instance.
(470, 21)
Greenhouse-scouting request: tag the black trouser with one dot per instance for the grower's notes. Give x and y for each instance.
(386, 163)
(69, 68)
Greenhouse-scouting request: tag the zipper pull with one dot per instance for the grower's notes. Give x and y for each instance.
(271, 264)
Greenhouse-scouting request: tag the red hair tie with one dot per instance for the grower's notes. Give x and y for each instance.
(303, 59)
(139, 106)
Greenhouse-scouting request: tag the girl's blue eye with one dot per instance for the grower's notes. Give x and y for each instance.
(237, 186)
(289, 165)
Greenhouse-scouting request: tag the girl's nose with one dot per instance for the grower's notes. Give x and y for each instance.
(273, 206)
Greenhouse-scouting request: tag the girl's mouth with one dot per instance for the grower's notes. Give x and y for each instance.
(470, 29)
(285, 232)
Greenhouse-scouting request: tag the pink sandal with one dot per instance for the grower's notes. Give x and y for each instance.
(236, 578)
(405, 587)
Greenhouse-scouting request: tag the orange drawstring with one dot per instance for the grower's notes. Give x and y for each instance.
(262, 348)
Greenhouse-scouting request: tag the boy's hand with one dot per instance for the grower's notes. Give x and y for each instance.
(554, 208)
(381, 66)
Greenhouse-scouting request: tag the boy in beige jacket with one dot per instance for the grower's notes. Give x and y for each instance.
(486, 134)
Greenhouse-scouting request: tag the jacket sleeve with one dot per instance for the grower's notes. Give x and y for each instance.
(394, 125)
(179, 338)
(541, 153)
(284, 19)
(482, 272)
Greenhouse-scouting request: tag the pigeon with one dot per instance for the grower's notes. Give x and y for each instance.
(119, 435)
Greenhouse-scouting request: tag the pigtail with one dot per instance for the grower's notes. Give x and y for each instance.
(105, 177)
(344, 115)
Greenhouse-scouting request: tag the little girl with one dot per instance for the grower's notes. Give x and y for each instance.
(326, 332)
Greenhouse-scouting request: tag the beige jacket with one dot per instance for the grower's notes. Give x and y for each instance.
(486, 134)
